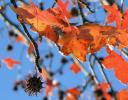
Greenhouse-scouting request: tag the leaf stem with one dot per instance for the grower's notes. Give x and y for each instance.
(37, 56)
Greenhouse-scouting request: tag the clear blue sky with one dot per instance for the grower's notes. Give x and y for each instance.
(8, 77)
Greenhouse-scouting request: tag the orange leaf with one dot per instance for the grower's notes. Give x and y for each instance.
(51, 33)
(113, 14)
(75, 68)
(93, 34)
(70, 43)
(91, 38)
(98, 36)
(10, 62)
(21, 38)
(120, 66)
(103, 87)
(50, 85)
(125, 21)
(70, 97)
(74, 91)
(72, 94)
(122, 95)
(40, 21)
(64, 7)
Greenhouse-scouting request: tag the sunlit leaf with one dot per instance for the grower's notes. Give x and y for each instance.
(40, 21)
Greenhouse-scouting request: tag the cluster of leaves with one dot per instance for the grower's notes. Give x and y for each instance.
(53, 23)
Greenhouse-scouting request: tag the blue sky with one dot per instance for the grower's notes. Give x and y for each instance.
(69, 79)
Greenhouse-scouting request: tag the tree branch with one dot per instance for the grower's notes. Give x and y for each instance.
(105, 76)
(37, 56)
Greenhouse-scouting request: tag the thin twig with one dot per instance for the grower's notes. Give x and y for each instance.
(87, 83)
(10, 23)
(87, 5)
(81, 13)
(105, 76)
(54, 3)
(37, 56)
(79, 64)
(92, 71)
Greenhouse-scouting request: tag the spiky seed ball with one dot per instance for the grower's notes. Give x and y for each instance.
(33, 85)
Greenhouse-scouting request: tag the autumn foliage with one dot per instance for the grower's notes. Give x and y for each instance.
(80, 41)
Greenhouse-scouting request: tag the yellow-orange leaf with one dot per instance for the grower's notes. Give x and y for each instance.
(71, 44)
(41, 20)
(100, 35)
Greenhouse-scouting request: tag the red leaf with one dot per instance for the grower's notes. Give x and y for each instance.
(120, 66)
(49, 87)
(31, 48)
(75, 68)
(64, 7)
(125, 21)
(113, 14)
(51, 84)
(74, 91)
(104, 88)
(72, 94)
(70, 43)
(122, 95)
(10, 62)
(21, 38)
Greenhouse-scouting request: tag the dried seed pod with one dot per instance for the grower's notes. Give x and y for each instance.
(33, 85)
